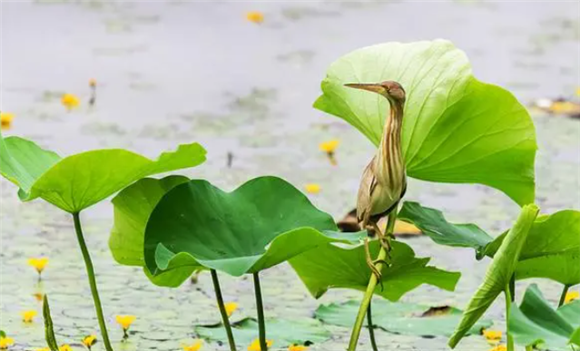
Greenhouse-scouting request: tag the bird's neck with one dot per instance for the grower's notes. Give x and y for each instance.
(390, 158)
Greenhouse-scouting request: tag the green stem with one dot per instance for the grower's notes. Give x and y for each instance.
(371, 328)
(92, 281)
(260, 308)
(563, 296)
(222, 308)
(371, 286)
(508, 305)
(529, 348)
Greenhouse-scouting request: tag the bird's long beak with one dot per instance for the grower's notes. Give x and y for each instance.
(376, 88)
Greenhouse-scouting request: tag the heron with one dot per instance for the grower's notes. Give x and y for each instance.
(383, 183)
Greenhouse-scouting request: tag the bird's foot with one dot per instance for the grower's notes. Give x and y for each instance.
(371, 264)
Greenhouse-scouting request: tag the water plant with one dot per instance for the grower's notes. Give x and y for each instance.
(77, 182)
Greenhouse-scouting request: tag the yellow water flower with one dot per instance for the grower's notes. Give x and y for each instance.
(42, 349)
(5, 342)
(125, 322)
(196, 346)
(70, 101)
(329, 146)
(255, 345)
(312, 188)
(38, 263)
(571, 296)
(499, 348)
(297, 348)
(65, 347)
(89, 341)
(92, 82)
(6, 120)
(28, 316)
(255, 16)
(231, 307)
(492, 336)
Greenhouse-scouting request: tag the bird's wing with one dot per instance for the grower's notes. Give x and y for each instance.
(367, 186)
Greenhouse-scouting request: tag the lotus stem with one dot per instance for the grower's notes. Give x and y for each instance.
(92, 281)
(372, 285)
(222, 308)
(508, 305)
(371, 328)
(260, 308)
(563, 296)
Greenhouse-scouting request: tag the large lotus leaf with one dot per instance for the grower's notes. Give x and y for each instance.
(79, 181)
(332, 266)
(455, 128)
(132, 208)
(399, 317)
(262, 223)
(535, 321)
(498, 274)
(283, 333)
(433, 224)
(552, 249)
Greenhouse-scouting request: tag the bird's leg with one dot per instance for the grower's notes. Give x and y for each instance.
(382, 239)
(371, 263)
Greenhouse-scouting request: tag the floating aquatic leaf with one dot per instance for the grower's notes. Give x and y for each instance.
(79, 181)
(399, 317)
(331, 266)
(282, 332)
(535, 321)
(264, 222)
(456, 128)
(498, 274)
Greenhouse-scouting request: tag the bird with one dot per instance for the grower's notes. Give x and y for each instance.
(384, 181)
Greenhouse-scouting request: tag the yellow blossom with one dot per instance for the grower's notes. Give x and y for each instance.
(92, 82)
(329, 146)
(312, 188)
(125, 321)
(492, 336)
(70, 101)
(42, 349)
(196, 346)
(89, 341)
(297, 348)
(499, 348)
(255, 345)
(231, 307)
(38, 263)
(65, 347)
(255, 16)
(28, 316)
(571, 296)
(6, 120)
(5, 342)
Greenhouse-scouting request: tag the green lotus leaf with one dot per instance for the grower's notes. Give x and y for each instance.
(536, 322)
(79, 181)
(498, 274)
(132, 208)
(455, 128)
(264, 222)
(332, 266)
(283, 333)
(433, 224)
(399, 317)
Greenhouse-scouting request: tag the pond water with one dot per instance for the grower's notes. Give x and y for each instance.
(175, 72)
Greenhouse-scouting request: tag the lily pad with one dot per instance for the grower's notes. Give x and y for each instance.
(433, 224)
(282, 332)
(76, 182)
(132, 208)
(535, 322)
(332, 266)
(399, 318)
(498, 274)
(455, 129)
(264, 222)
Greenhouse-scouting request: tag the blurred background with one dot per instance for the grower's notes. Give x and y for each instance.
(240, 78)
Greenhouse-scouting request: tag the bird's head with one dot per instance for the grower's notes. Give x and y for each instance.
(390, 89)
